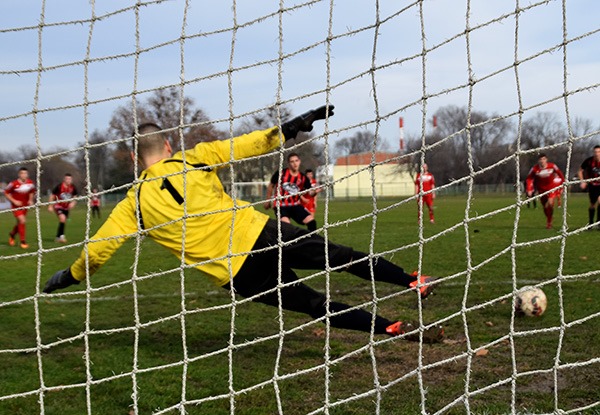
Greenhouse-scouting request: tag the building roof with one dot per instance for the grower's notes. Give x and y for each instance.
(362, 159)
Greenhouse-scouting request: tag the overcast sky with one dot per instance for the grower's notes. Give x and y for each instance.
(343, 65)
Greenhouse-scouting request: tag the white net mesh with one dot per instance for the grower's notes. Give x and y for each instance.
(145, 336)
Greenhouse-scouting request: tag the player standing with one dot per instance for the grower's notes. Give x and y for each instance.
(590, 170)
(290, 192)
(61, 205)
(20, 193)
(428, 186)
(310, 202)
(95, 203)
(541, 178)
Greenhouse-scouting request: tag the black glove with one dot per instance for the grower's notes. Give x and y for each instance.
(61, 279)
(290, 129)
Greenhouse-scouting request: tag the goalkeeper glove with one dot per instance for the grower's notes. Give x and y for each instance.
(61, 279)
(290, 129)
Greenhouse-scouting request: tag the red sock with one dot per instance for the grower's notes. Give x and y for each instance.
(548, 211)
(21, 227)
(430, 214)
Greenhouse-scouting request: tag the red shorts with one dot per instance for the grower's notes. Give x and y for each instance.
(427, 200)
(19, 211)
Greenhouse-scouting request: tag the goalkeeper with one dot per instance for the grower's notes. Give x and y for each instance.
(180, 196)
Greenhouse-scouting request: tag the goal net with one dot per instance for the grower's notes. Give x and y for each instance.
(476, 90)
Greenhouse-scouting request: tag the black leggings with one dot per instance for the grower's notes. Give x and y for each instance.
(260, 273)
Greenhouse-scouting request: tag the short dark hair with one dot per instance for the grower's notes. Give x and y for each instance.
(596, 146)
(308, 171)
(292, 155)
(68, 175)
(151, 139)
(542, 155)
(144, 128)
(23, 168)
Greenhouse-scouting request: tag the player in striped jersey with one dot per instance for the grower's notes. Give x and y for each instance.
(61, 202)
(287, 191)
(590, 170)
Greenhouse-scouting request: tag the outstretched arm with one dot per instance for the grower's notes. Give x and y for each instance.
(120, 226)
(255, 143)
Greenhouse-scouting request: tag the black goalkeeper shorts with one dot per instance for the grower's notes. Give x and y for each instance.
(260, 272)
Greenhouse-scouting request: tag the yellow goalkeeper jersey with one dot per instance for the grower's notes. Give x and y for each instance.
(183, 206)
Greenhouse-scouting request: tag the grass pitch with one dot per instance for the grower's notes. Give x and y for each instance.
(157, 341)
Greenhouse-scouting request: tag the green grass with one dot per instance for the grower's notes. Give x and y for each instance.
(136, 344)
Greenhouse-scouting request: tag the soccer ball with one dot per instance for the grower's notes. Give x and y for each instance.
(530, 301)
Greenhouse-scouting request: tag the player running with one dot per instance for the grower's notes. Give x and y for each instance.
(232, 243)
(541, 178)
(590, 170)
(290, 192)
(428, 188)
(310, 202)
(61, 205)
(20, 194)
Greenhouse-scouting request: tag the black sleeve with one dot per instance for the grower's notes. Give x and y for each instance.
(307, 184)
(75, 191)
(275, 177)
(585, 164)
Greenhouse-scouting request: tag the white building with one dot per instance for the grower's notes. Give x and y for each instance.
(351, 176)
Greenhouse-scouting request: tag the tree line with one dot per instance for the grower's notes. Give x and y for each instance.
(496, 149)
(105, 158)
(489, 147)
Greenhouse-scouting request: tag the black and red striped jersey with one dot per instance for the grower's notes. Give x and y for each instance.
(591, 170)
(290, 187)
(64, 192)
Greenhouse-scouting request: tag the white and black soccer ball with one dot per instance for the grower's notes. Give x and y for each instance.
(530, 301)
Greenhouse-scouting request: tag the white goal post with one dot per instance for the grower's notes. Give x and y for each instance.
(482, 86)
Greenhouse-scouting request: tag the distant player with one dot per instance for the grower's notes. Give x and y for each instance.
(310, 202)
(541, 179)
(95, 203)
(20, 193)
(60, 204)
(428, 186)
(293, 183)
(590, 170)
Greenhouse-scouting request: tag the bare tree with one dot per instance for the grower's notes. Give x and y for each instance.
(98, 152)
(541, 132)
(361, 142)
(164, 108)
(464, 140)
